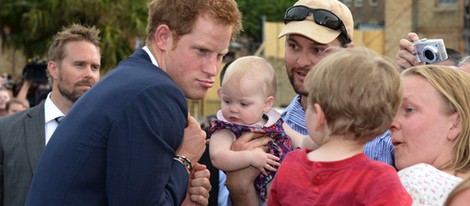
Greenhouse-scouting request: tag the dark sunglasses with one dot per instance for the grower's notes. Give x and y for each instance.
(321, 17)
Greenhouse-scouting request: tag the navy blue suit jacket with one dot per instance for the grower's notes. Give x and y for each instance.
(116, 145)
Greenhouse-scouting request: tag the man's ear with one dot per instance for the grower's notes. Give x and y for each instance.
(456, 128)
(163, 37)
(52, 68)
(320, 119)
(268, 104)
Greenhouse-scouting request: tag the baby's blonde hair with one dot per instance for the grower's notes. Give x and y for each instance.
(252, 68)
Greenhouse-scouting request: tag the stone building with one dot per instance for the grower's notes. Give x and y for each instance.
(443, 19)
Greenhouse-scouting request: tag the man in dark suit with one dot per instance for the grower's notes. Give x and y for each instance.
(73, 67)
(130, 140)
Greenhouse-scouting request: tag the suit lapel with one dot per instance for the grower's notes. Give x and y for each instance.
(35, 134)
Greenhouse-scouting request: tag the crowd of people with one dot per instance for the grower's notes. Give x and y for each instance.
(360, 131)
(19, 94)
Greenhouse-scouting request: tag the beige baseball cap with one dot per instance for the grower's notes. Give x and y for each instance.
(316, 32)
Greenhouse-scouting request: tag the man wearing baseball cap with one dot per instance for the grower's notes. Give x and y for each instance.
(321, 22)
(313, 29)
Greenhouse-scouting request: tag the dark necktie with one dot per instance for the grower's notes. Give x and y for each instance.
(59, 119)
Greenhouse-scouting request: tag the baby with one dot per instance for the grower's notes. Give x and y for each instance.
(248, 92)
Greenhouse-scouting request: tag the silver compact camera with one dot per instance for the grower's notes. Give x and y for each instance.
(430, 50)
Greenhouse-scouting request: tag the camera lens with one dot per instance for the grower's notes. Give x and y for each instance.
(429, 55)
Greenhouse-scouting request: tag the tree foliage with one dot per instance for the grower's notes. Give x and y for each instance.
(254, 10)
(29, 24)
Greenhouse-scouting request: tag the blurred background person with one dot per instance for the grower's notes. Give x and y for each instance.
(16, 105)
(33, 85)
(464, 64)
(406, 57)
(73, 68)
(431, 132)
(5, 96)
(453, 58)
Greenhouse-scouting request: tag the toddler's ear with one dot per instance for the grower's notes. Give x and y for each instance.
(268, 104)
(320, 119)
(219, 92)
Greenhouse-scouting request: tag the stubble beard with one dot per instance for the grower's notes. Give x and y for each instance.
(69, 95)
(297, 86)
(73, 95)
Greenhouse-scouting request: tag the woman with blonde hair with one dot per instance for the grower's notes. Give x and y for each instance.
(431, 132)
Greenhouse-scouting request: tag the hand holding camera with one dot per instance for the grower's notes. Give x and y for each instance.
(430, 50)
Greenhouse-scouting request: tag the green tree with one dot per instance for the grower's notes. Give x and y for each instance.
(254, 10)
(29, 24)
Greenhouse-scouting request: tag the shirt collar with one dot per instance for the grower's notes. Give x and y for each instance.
(152, 58)
(51, 111)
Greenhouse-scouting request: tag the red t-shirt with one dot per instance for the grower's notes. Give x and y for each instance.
(357, 180)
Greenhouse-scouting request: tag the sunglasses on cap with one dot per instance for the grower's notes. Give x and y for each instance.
(321, 17)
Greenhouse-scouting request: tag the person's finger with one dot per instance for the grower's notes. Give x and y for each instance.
(198, 166)
(261, 141)
(405, 59)
(199, 200)
(200, 177)
(262, 170)
(201, 183)
(247, 137)
(274, 157)
(192, 121)
(402, 64)
(273, 163)
(412, 36)
(270, 168)
(198, 191)
(406, 45)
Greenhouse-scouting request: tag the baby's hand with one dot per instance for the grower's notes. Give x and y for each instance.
(264, 161)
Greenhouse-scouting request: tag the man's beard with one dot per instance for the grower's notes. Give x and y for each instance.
(299, 89)
(72, 95)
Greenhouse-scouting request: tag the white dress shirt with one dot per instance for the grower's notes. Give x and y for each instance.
(152, 58)
(51, 111)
